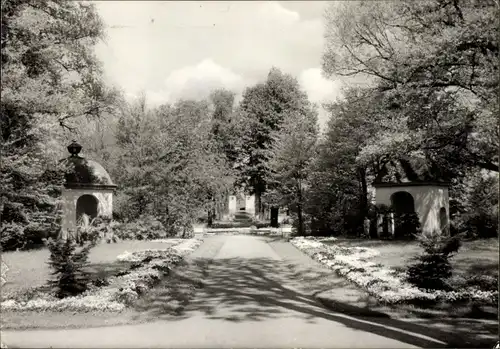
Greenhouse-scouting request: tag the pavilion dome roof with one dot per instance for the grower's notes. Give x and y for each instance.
(85, 173)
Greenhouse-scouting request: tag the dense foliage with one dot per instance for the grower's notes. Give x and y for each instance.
(429, 111)
(264, 107)
(436, 63)
(50, 77)
(142, 228)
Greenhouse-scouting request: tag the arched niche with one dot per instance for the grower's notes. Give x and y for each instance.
(403, 205)
(402, 202)
(87, 204)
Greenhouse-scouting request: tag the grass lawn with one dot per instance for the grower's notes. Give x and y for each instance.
(167, 300)
(473, 257)
(30, 269)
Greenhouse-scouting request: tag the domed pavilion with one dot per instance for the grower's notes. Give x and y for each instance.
(88, 189)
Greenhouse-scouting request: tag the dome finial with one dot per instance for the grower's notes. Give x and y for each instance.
(74, 148)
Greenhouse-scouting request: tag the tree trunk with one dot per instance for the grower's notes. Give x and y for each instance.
(301, 220)
(274, 217)
(258, 205)
(210, 218)
(299, 210)
(364, 191)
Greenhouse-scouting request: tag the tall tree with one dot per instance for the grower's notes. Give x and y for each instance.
(292, 152)
(339, 192)
(437, 63)
(264, 107)
(169, 151)
(50, 77)
(224, 124)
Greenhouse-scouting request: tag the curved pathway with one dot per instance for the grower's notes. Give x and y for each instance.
(257, 293)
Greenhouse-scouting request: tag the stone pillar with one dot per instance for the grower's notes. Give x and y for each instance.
(366, 227)
(390, 223)
(250, 204)
(380, 225)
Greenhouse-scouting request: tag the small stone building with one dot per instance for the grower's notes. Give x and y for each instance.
(88, 189)
(428, 199)
(411, 187)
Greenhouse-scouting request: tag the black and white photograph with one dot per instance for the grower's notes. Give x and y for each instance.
(249, 174)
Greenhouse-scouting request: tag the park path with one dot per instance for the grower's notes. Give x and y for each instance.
(257, 293)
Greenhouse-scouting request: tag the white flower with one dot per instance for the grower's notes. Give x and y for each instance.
(384, 283)
(122, 289)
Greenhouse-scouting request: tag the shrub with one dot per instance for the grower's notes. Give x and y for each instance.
(439, 243)
(406, 225)
(483, 282)
(225, 225)
(17, 236)
(68, 263)
(431, 269)
(144, 228)
(430, 272)
(259, 225)
(186, 232)
(11, 236)
(88, 230)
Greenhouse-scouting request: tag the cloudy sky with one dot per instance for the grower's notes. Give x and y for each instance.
(171, 50)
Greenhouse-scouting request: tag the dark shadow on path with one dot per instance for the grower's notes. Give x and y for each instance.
(238, 290)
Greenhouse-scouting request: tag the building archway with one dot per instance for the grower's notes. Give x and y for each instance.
(87, 204)
(402, 202)
(405, 219)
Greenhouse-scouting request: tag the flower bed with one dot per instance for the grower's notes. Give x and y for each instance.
(387, 285)
(148, 266)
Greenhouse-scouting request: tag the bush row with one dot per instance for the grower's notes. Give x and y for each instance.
(16, 236)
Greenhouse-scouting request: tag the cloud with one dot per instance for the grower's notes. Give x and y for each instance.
(193, 47)
(196, 82)
(243, 38)
(274, 11)
(318, 88)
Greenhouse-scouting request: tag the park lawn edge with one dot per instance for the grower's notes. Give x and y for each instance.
(122, 290)
(386, 285)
